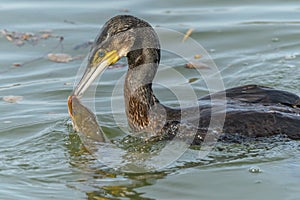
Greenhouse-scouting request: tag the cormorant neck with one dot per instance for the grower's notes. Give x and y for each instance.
(138, 93)
(142, 67)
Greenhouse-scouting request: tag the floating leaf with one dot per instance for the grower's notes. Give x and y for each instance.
(197, 56)
(17, 64)
(9, 38)
(196, 65)
(25, 36)
(19, 38)
(12, 99)
(191, 80)
(59, 57)
(187, 34)
(45, 35)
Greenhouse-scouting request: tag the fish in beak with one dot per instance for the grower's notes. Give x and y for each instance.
(84, 121)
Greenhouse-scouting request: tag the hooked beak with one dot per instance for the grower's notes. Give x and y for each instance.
(93, 70)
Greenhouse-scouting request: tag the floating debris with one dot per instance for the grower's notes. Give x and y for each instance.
(12, 99)
(187, 34)
(20, 38)
(197, 56)
(59, 57)
(9, 38)
(191, 80)
(17, 64)
(196, 65)
(45, 35)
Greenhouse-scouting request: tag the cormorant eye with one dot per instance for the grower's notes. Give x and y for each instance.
(101, 53)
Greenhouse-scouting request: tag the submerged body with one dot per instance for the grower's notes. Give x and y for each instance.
(251, 110)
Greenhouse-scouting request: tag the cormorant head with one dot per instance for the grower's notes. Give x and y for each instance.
(120, 36)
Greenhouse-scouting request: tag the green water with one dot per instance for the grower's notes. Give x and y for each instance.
(40, 156)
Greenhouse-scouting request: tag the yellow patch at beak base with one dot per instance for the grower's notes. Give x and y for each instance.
(110, 57)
